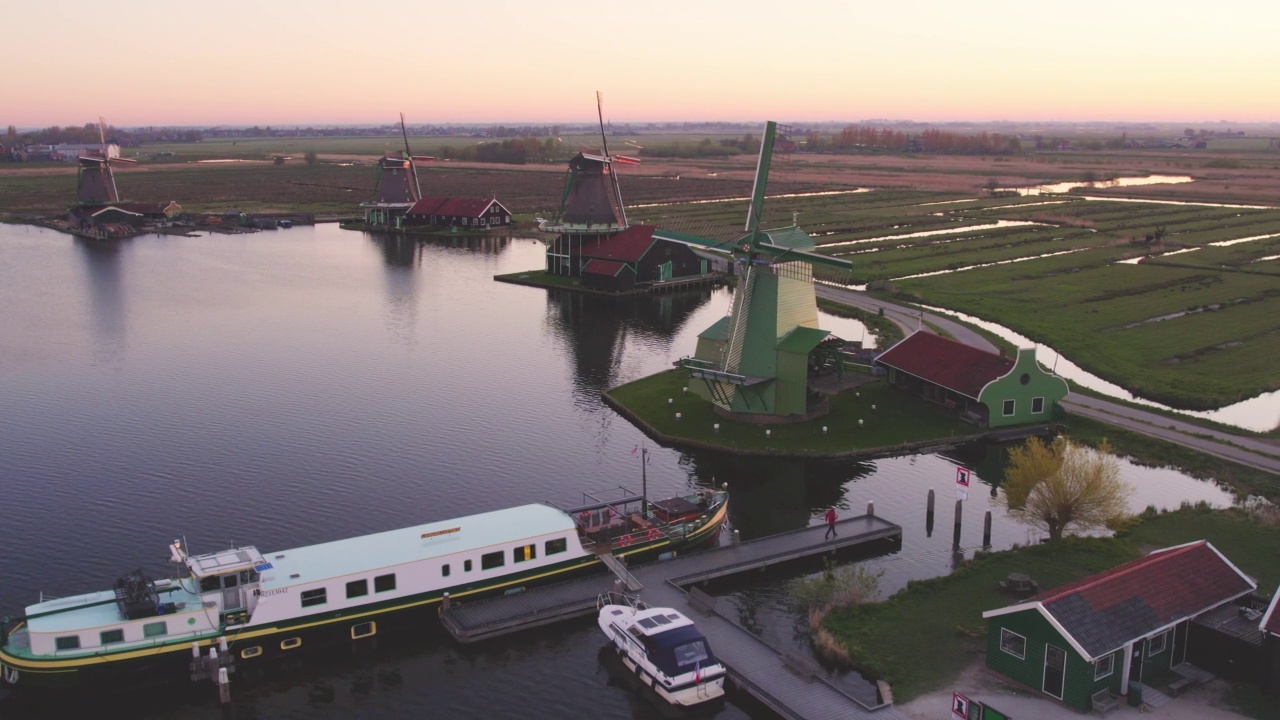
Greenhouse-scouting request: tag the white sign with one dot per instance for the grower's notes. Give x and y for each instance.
(962, 476)
(959, 707)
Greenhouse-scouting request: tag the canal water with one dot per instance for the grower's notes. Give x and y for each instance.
(295, 386)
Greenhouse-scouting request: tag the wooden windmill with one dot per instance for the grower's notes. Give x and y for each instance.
(95, 182)
(397, 187)
(755, 360)
(591, 205)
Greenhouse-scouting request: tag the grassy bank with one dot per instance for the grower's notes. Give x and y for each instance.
(896, 419)
(920, 639)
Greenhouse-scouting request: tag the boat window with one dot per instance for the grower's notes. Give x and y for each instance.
(290, 644)
(68, 642)
(558, 545)
(249, 652)
(383, 583)
(311, 598)
(661, 619)
(444, 570)
(647, 623)
(673, 617)
(466, 566)
(155, 629)
(112, 636)
(488, 561)
(208, 584)
(230, 581)
(357, 588)
(690, 653)
(524, 552)
(363, 630)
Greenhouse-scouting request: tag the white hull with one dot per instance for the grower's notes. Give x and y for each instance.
(665, 651)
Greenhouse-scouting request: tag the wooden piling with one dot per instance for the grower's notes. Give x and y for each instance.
(955, 538)
(986, 530)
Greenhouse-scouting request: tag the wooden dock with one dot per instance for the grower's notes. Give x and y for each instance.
(792, 686)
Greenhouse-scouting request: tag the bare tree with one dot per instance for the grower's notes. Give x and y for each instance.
(1061, 485)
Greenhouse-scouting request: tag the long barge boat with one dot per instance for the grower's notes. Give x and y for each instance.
(242, 606)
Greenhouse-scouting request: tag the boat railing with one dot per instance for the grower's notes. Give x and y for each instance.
(618, 598)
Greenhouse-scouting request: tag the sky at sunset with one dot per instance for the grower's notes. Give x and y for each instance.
(286, 62)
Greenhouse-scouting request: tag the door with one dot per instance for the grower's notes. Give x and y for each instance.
(1180, 643)
(1055, 670)
(1135, 661)
(231, 599)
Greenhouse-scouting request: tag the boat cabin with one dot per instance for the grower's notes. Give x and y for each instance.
(228, 578)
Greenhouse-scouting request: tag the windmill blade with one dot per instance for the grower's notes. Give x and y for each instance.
(604, 143)
(625, 159)
(783, 254)
(608, 161)
(762, 178)
(422, 158)
(131, 161)
(417, 187)
(102, 135)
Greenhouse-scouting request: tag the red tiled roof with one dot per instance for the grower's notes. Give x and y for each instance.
(602, 267)
(1271, 621)
(452, 207)
(1104, 611)
(629, 245)
(951, 364)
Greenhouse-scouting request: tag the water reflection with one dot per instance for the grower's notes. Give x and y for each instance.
(1064, 187)
(106, 298)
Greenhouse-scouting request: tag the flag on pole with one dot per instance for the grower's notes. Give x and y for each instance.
(697, 672)
(635, 450)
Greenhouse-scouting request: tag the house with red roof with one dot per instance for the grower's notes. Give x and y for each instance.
(1121, 626)
(1270, 629)
(458, 212)
(620, 261)
(985, 388)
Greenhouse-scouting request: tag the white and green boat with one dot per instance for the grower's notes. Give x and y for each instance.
(241, 606)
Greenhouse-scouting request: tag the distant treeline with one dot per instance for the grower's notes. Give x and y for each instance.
(705, 148)
(856, 138)
(88, 135)
(515, 151)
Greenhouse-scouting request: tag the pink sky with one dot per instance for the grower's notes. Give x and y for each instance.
(287, 62)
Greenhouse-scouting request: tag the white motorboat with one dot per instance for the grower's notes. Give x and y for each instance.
(664, 649)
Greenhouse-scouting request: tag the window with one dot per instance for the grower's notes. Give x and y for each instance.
(1156, 645)
(1009, 406)
(311, 598)
(69, 642)
(155, 629)
(1013, 643)
(444, 570)
(466, 566)
(384, 583)
(357, 588)
(523, 553)
(558, 545)
(290, 644)
(489, 561)
(112, 636)
(1104, 667)
(1037, 406)
(363, 630)
(249, 652)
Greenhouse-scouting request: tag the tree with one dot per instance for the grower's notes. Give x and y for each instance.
(1060, 485)
(310, 157)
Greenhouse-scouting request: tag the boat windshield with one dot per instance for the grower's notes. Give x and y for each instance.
(679, 650)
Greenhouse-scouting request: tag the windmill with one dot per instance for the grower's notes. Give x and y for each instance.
(755, 360)
(95, 182)
(397, 188)
(591, 205)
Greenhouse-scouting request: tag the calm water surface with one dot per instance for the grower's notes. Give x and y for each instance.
(290, 387)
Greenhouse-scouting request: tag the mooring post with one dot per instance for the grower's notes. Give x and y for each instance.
(224, 686)
(986, 530)
(737, 539)
(444, 602)
(871, 509)
(928, 516)
(929, 503)
(955, 538)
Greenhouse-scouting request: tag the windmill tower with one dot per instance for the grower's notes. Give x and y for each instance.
(95, 182)
(591, 205)
(397, 188)
(755, 360)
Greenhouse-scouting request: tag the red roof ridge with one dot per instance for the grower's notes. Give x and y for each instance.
(1130, 567)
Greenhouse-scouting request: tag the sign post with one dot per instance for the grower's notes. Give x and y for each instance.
(959, 707)
(962, 483)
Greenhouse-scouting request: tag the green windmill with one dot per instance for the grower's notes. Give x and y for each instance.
(755, 360)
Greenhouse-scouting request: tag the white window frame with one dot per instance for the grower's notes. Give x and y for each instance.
(1037, 401)
(1011, 411)
(1004, 648)
(1151, 643)
(1109, 661)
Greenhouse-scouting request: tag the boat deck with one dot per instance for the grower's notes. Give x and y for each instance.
(792, 687)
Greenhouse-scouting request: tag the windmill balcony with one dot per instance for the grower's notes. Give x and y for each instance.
(582, 228)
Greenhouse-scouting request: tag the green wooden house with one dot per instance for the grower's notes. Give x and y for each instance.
(988, 389)
(1117, 627)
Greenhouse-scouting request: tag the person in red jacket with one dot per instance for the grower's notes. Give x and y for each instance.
(831, 523)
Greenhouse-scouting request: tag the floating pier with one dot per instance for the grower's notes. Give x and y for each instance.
(792, 686)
